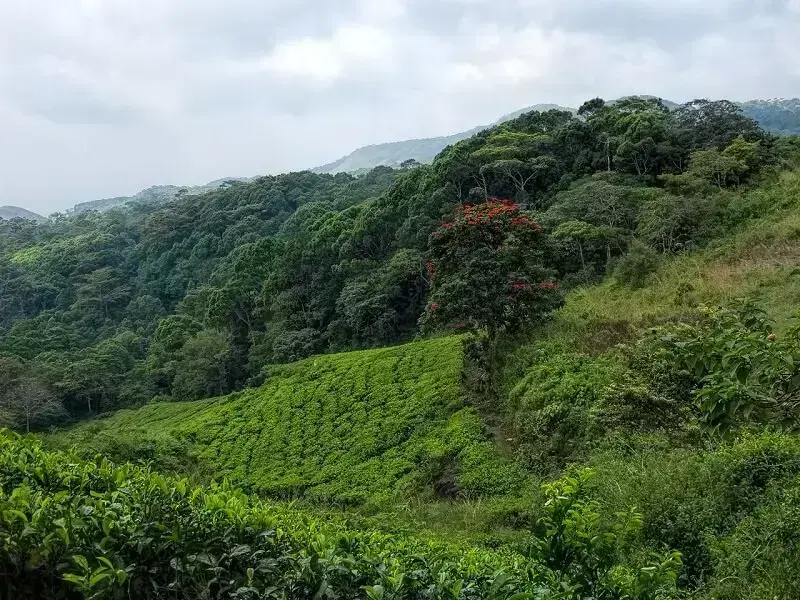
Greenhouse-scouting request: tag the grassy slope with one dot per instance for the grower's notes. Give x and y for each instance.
(713, 501)
(760, 259)
(347, 428)
(730, 506)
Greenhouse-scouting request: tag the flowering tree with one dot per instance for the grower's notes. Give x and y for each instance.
(485, 271)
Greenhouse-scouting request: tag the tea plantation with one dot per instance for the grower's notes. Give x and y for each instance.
(347, 428)
(74, 529)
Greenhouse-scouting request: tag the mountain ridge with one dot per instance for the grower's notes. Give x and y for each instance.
(16, 212)
(777, 115)
(424, 150)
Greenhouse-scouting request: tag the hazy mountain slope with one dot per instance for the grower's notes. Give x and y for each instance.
(779, 116)
(776, 116)
(15, 212)
(422, 150)
(155, 194)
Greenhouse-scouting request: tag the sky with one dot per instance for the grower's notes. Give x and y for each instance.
(101, 98)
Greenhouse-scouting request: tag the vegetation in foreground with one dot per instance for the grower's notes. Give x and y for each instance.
(76, 529)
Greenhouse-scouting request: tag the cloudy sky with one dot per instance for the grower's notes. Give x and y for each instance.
(105, 97)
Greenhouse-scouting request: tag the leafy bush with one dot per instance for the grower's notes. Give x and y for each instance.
(692, 500)
(745, 371)
(637, 265)
(569, 403)
(70, 529)
(759, 559)
(572, 538)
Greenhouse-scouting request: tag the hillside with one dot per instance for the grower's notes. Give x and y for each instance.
(781, 117)
(349, 428)
(156, 194)
(15, 212)
(560, 361)
(124, 531)
(423, 150)
(588, 388)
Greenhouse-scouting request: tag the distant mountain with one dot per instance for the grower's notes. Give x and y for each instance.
(422, 150)
(780, 115)
(15, 212)
(777, 116)
(156, 194)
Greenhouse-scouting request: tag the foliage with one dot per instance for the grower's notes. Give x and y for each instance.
(637, 265)
(744, 370)
(572, 538)
(346, 428)
(566, 404)
(705, 502)
(71, 529)
(277, 269)
(485, 270)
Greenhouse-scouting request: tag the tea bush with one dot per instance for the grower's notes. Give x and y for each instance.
(345, 428)
(73, 529)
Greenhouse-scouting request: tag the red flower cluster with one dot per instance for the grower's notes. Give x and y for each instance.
(519, 285)
(460, 325)
(434, 305)
(487, 212)
(523, 221)
(430, 269)
(548, 285)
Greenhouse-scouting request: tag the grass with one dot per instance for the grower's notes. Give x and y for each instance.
(760, 258)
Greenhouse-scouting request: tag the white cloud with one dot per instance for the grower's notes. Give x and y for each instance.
(104, 97)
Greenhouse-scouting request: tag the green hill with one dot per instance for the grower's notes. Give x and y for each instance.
(347, 427)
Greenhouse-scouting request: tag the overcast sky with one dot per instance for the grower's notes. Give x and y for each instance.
(101, 98)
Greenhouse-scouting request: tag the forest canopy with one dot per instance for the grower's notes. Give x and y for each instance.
(193, 298)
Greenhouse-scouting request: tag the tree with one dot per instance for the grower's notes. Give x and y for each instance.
(706, 124)
(714, 166)
(485, 271)
(201, 370)
(410, 163)
(31, 404)
(584, 236)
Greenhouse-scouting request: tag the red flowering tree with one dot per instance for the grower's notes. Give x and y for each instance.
(485, 271)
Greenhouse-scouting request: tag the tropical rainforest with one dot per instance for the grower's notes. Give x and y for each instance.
(561, 361)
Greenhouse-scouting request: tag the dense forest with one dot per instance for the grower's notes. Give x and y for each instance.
(591, 389)
(193, 298)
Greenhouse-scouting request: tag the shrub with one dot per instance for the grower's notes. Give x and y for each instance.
(744, 370)
(635, 267)
(568, 403)
(690, 499)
